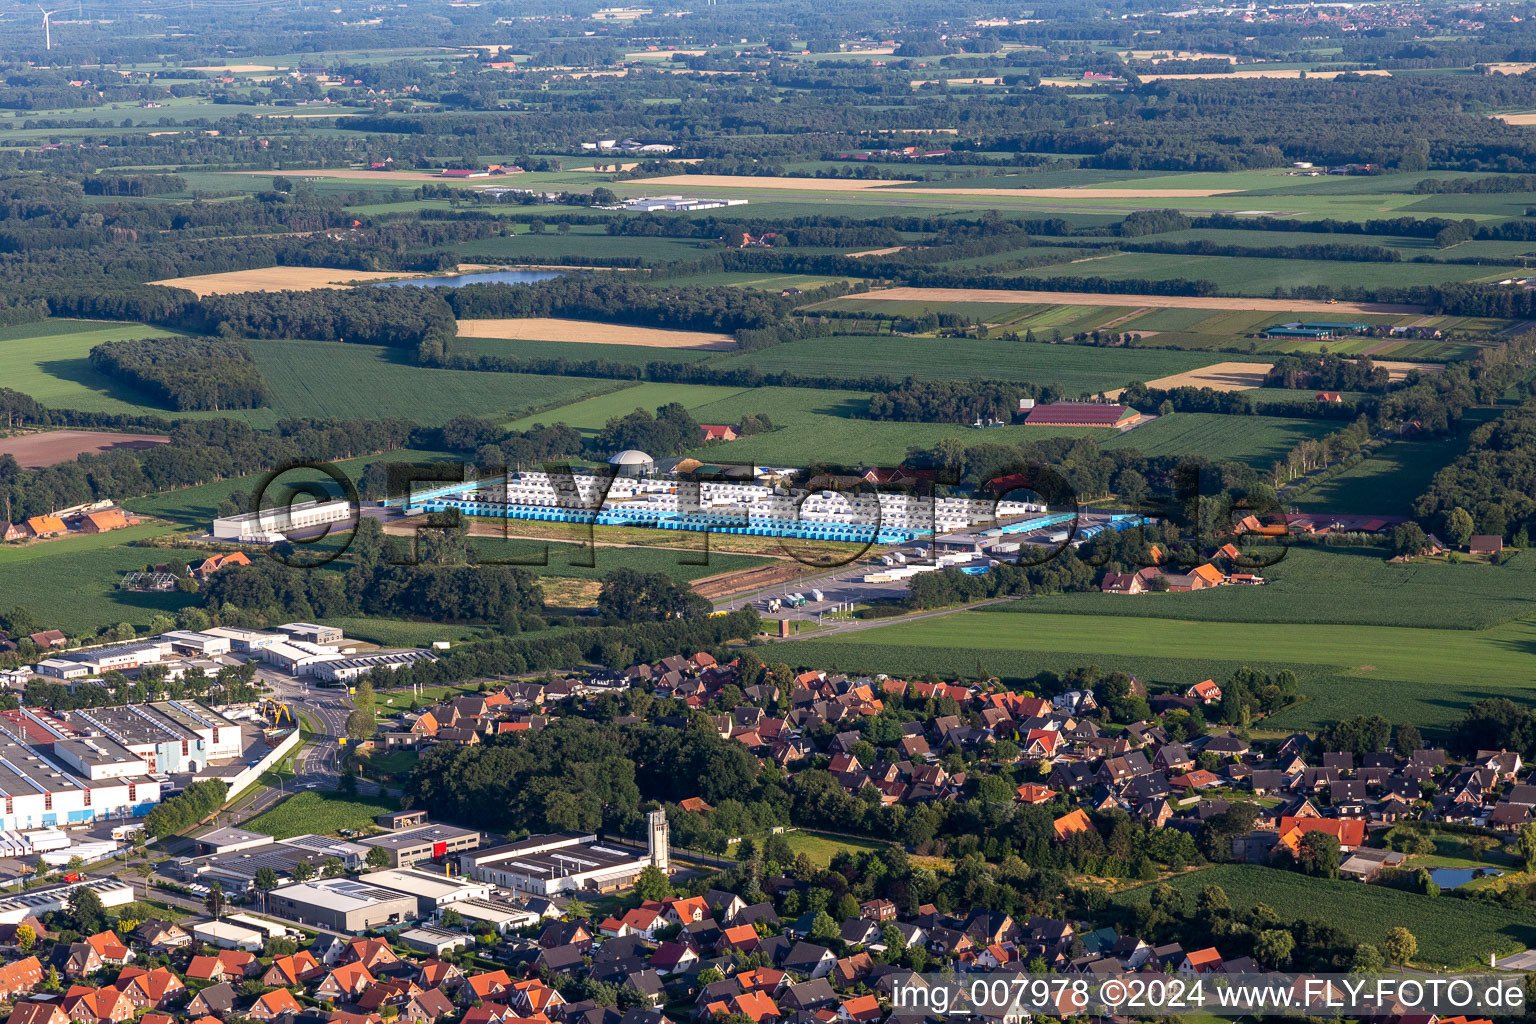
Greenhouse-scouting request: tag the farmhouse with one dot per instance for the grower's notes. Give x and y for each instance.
(1313, 330)
(1080, 414)
(1486, 544)
(46, 526)
(101, 522)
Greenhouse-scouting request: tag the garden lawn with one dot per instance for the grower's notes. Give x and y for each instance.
(1452, 933)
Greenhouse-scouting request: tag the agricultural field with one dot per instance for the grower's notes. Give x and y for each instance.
(632, 355)
(565, 561)
(821, 427)
(338, 380)
(1310, 583)
(937, 296)
(1390, 479)
(51, 447)
(1256, 440)
(49, 360)
(582, 242)
(276, 279)
(1252, 275)
(71, 582)
(589, 415)
(322, 812)
(195, 506)
(1345, 670)
(587, 332)
(1452, 933)
(1075, 368)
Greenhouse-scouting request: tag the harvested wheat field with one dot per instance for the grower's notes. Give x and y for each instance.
(1217, 377)
(1262, 73)
(876, 252)
(749, 181)
(893, 187)
(356, 174)
(51, 447)
(277, 279)
(1160, 56)
(1528, 118)
(1012, 297)
(234, 69)
(1084, 192)
(536, 328)
(1398, 369)
(916, 82)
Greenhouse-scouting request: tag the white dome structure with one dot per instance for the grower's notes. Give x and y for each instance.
(631, 462)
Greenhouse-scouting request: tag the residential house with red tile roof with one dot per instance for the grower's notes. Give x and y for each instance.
(1206, 691)
(291, 971)
(156, 989)
(345, 981)
(486, 986)
(1071, 824)
(109, 947)
(27, 1012)
(274, 1004)
(1201, 961)
(91, 1005)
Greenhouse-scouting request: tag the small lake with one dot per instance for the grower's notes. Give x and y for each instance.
(1454, 878)
(484, 277)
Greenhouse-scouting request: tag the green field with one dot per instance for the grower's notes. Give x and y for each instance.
(1252, 275)
(49, 361)
(1346, 670)
(820, 426)
(1452, 933)
(322, 812)
(584, 241)
(341, 381)
(1391, 478)
(71, 583)
(403, 632)
(566, 561)
(195, 506)
(633, 355)
(1256, 440)
(1355, 586)
(1075, 368)
(589, 415)
(820, 847)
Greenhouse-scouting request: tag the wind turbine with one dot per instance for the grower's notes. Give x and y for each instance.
(47, 28)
